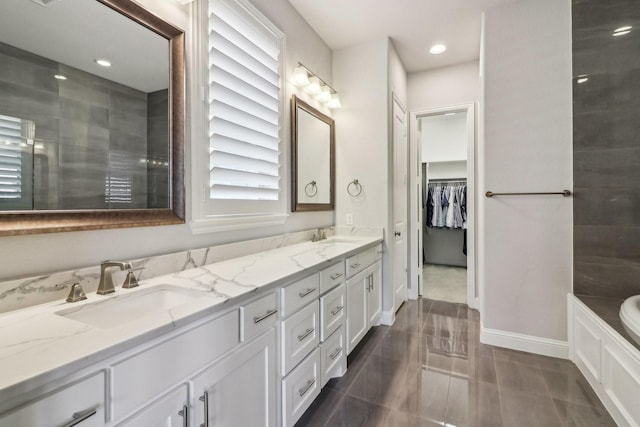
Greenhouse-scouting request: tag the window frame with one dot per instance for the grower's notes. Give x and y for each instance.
(243, 214)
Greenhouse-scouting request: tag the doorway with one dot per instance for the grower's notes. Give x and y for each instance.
(442, 224)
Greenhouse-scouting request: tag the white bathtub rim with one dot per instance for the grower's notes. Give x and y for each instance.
(630, 316)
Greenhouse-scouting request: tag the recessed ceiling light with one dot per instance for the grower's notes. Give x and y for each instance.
(102, 62)
(581, 78)
(437, 49)
(622, 31)
(60, 77)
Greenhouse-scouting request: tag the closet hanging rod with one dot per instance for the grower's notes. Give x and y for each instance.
(565, 193)
(446, 179)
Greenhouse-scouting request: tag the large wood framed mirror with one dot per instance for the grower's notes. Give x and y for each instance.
(91, 117)
(313, 158)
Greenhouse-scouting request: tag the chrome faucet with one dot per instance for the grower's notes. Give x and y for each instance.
(106, 281)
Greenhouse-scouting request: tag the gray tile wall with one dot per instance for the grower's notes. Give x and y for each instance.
(606, 148)
(157, 148)
(87, 129)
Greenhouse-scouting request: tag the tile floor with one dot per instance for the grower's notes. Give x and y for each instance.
(430, 369)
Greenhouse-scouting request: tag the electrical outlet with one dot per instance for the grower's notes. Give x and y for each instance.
(349, 219)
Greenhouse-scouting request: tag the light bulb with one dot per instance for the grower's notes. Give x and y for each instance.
(314, 86)
(335, 102)
(324, 95)
(300, 76)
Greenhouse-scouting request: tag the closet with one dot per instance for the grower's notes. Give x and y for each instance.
(444, 204)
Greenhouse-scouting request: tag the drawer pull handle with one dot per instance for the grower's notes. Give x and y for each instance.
(337, 310)
(306, 388)
(269, 313)
(335, 276)
(205, 399)
(335, 354)
(80, 416)
(356, 265)
(306, 334)
(185, 416)
(305, 293)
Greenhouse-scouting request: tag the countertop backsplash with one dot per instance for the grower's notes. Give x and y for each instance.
(29, 291)
(26, 292)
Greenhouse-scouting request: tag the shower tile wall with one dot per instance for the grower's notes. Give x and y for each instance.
(606, 151)
(84, 120)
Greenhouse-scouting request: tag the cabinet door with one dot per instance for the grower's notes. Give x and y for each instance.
(357, 317)
(374, 292)
(240, 390)
(168, 411)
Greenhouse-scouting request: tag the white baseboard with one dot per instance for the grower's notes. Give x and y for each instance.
(529, 343)
(388, 317)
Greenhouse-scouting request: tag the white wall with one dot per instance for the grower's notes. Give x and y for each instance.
(444, 138)
(39, 254)
(526, 250)
(443, 87)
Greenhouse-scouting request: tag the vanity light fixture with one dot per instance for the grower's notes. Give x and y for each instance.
(622, 31)
(307, 80)
(437, 49)
(60, 77)
(102, 62)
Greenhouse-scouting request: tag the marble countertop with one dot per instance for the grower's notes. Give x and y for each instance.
(37, 345)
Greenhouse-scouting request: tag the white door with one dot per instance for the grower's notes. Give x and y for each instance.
(400, 200)
(357, 317)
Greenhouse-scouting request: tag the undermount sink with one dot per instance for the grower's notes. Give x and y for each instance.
(118, 310)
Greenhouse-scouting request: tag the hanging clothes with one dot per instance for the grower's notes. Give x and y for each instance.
(447, 205)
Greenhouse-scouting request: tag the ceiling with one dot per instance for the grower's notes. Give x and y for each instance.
(75, 32)
(413, 26)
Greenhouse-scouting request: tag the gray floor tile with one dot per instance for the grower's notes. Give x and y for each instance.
(570, 386)
(575, 415)
(520, 377)
(379, 381)
(402, 419)
(321, 409)
(528, 410)
(354, 412)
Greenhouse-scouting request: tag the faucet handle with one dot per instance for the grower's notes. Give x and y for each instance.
(76, 293)
(130, 281)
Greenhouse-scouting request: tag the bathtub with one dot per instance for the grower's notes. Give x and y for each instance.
(630, 316)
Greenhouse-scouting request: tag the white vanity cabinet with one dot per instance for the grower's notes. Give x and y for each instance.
(81, 404)
(364, 294)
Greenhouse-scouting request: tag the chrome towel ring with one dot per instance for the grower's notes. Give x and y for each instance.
(311, 189)
(354, 188)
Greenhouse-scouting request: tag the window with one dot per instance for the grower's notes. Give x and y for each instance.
(16, 141)
(242, 125)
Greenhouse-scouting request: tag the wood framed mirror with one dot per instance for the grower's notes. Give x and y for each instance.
(82, 145)
(313, 158)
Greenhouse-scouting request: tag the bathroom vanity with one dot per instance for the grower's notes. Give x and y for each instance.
(247, 341)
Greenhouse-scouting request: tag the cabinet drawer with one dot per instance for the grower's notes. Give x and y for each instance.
(258, 316)
(331, 277)
(332, 311)
(377, 252)
(300, 335)
(358, 262)
(299, 294)
(83, 399)
(300, 388)
(146, 375)
(333, 356)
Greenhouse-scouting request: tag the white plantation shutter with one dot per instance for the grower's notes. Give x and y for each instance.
(10, 158)
(244, 105)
